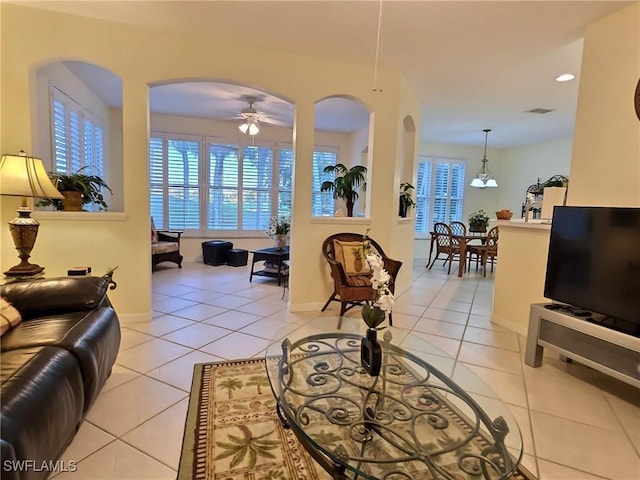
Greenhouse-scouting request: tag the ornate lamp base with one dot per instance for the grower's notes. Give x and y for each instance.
(24, 231)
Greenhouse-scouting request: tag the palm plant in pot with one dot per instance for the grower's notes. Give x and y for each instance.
(78, 189)
(345, 185)
(406, 200)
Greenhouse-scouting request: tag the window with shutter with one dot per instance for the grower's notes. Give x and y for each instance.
(440, 196)
(242, 187)
(257, 186)
(285, 181)
(322, 203)
(174, 169)
(223, 196)
(78, 137)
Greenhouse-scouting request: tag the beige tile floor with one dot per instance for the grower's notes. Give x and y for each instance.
(576, 423)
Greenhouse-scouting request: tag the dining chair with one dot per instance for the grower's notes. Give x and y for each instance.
(458, 228)
(488, 251)
(446, 244)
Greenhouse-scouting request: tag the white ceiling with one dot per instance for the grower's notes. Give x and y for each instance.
(474, 65)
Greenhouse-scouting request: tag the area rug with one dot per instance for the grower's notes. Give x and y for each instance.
(232, 431)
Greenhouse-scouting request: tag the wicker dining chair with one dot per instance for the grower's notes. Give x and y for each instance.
(446, 244)
(349, 288)
(485, 252)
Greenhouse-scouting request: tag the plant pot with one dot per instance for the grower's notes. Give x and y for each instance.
(403, 210)
(371, 353)
(478, 228)
(280, 241)
(72, 201)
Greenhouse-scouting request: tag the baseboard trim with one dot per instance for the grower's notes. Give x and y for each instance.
(135, 317)
(509, 325)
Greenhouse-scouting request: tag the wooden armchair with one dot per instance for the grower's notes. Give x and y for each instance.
(165, 247)
(352, 288)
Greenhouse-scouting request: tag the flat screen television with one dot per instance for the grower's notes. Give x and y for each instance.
(594, 262)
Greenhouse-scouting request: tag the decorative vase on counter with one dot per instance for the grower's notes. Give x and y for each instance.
(371, 352)
(280, 241)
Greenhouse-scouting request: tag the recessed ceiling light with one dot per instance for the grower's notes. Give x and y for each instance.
(565, 77)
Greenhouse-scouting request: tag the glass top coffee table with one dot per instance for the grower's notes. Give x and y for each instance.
(413, 421)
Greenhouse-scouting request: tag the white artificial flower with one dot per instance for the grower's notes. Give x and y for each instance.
(385, 302)
(375, 261)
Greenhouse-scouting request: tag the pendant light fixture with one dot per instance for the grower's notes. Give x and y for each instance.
(484, 178)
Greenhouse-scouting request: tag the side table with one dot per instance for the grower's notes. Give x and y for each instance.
(273, 255)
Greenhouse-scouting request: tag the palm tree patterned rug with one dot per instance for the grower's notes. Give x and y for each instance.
(232, 430)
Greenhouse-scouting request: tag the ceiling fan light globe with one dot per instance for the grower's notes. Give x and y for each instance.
(244, 126)
(253, 129)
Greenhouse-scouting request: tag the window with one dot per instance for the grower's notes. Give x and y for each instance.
(174, 167)
(236, 188)
(78, 136)
(322, 203)
(439, 197)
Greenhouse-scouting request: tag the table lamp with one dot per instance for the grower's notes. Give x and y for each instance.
(23, 176)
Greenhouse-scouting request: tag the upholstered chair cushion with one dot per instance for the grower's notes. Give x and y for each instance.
(351, 256)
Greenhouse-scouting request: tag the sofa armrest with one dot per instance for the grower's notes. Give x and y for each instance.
(47, 296)
(168, 236)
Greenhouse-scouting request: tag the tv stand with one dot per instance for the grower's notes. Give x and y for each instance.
(563, 328)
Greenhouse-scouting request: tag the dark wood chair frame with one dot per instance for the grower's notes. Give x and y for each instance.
(175, 257)
(488, 251)
(351, 296)
(446, 244)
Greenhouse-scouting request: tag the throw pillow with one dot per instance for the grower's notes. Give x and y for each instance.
(351, 256)
(154, 232)
(9, 316)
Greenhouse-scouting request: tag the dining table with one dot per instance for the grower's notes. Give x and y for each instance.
(464, 240)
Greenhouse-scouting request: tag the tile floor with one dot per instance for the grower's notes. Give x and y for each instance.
(576, 423)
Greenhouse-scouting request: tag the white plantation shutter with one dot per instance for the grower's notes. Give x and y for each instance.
(156, 181)
(440, 197)
(423, 197)
(322, 203)
(174, 181)
(223, 185)
(183, 182)
(59, 136)
(78, 137)
(456, 192)
(257, 181)
(285, 181)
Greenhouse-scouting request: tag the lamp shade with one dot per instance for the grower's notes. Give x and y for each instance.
(24, 176)
(491, 183)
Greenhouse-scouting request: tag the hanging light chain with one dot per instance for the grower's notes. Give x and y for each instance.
(375, 65)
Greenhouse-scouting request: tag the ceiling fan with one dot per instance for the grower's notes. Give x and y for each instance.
(252, 118)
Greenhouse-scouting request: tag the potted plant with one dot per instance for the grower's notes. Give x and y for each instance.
(406, 201)
(279, 228)
(346, 183)
(478, 221)
(78, 189)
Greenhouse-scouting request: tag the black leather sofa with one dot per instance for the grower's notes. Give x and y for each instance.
(53, 365)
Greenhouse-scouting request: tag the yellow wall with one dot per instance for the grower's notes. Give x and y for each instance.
(605, 166)
(141, 58)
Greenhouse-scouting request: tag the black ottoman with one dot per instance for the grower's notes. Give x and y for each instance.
(215, 252)
(236, 257)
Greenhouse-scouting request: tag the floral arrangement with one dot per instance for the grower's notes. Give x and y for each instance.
(374, 311)
(479, 218)
(279, 225)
